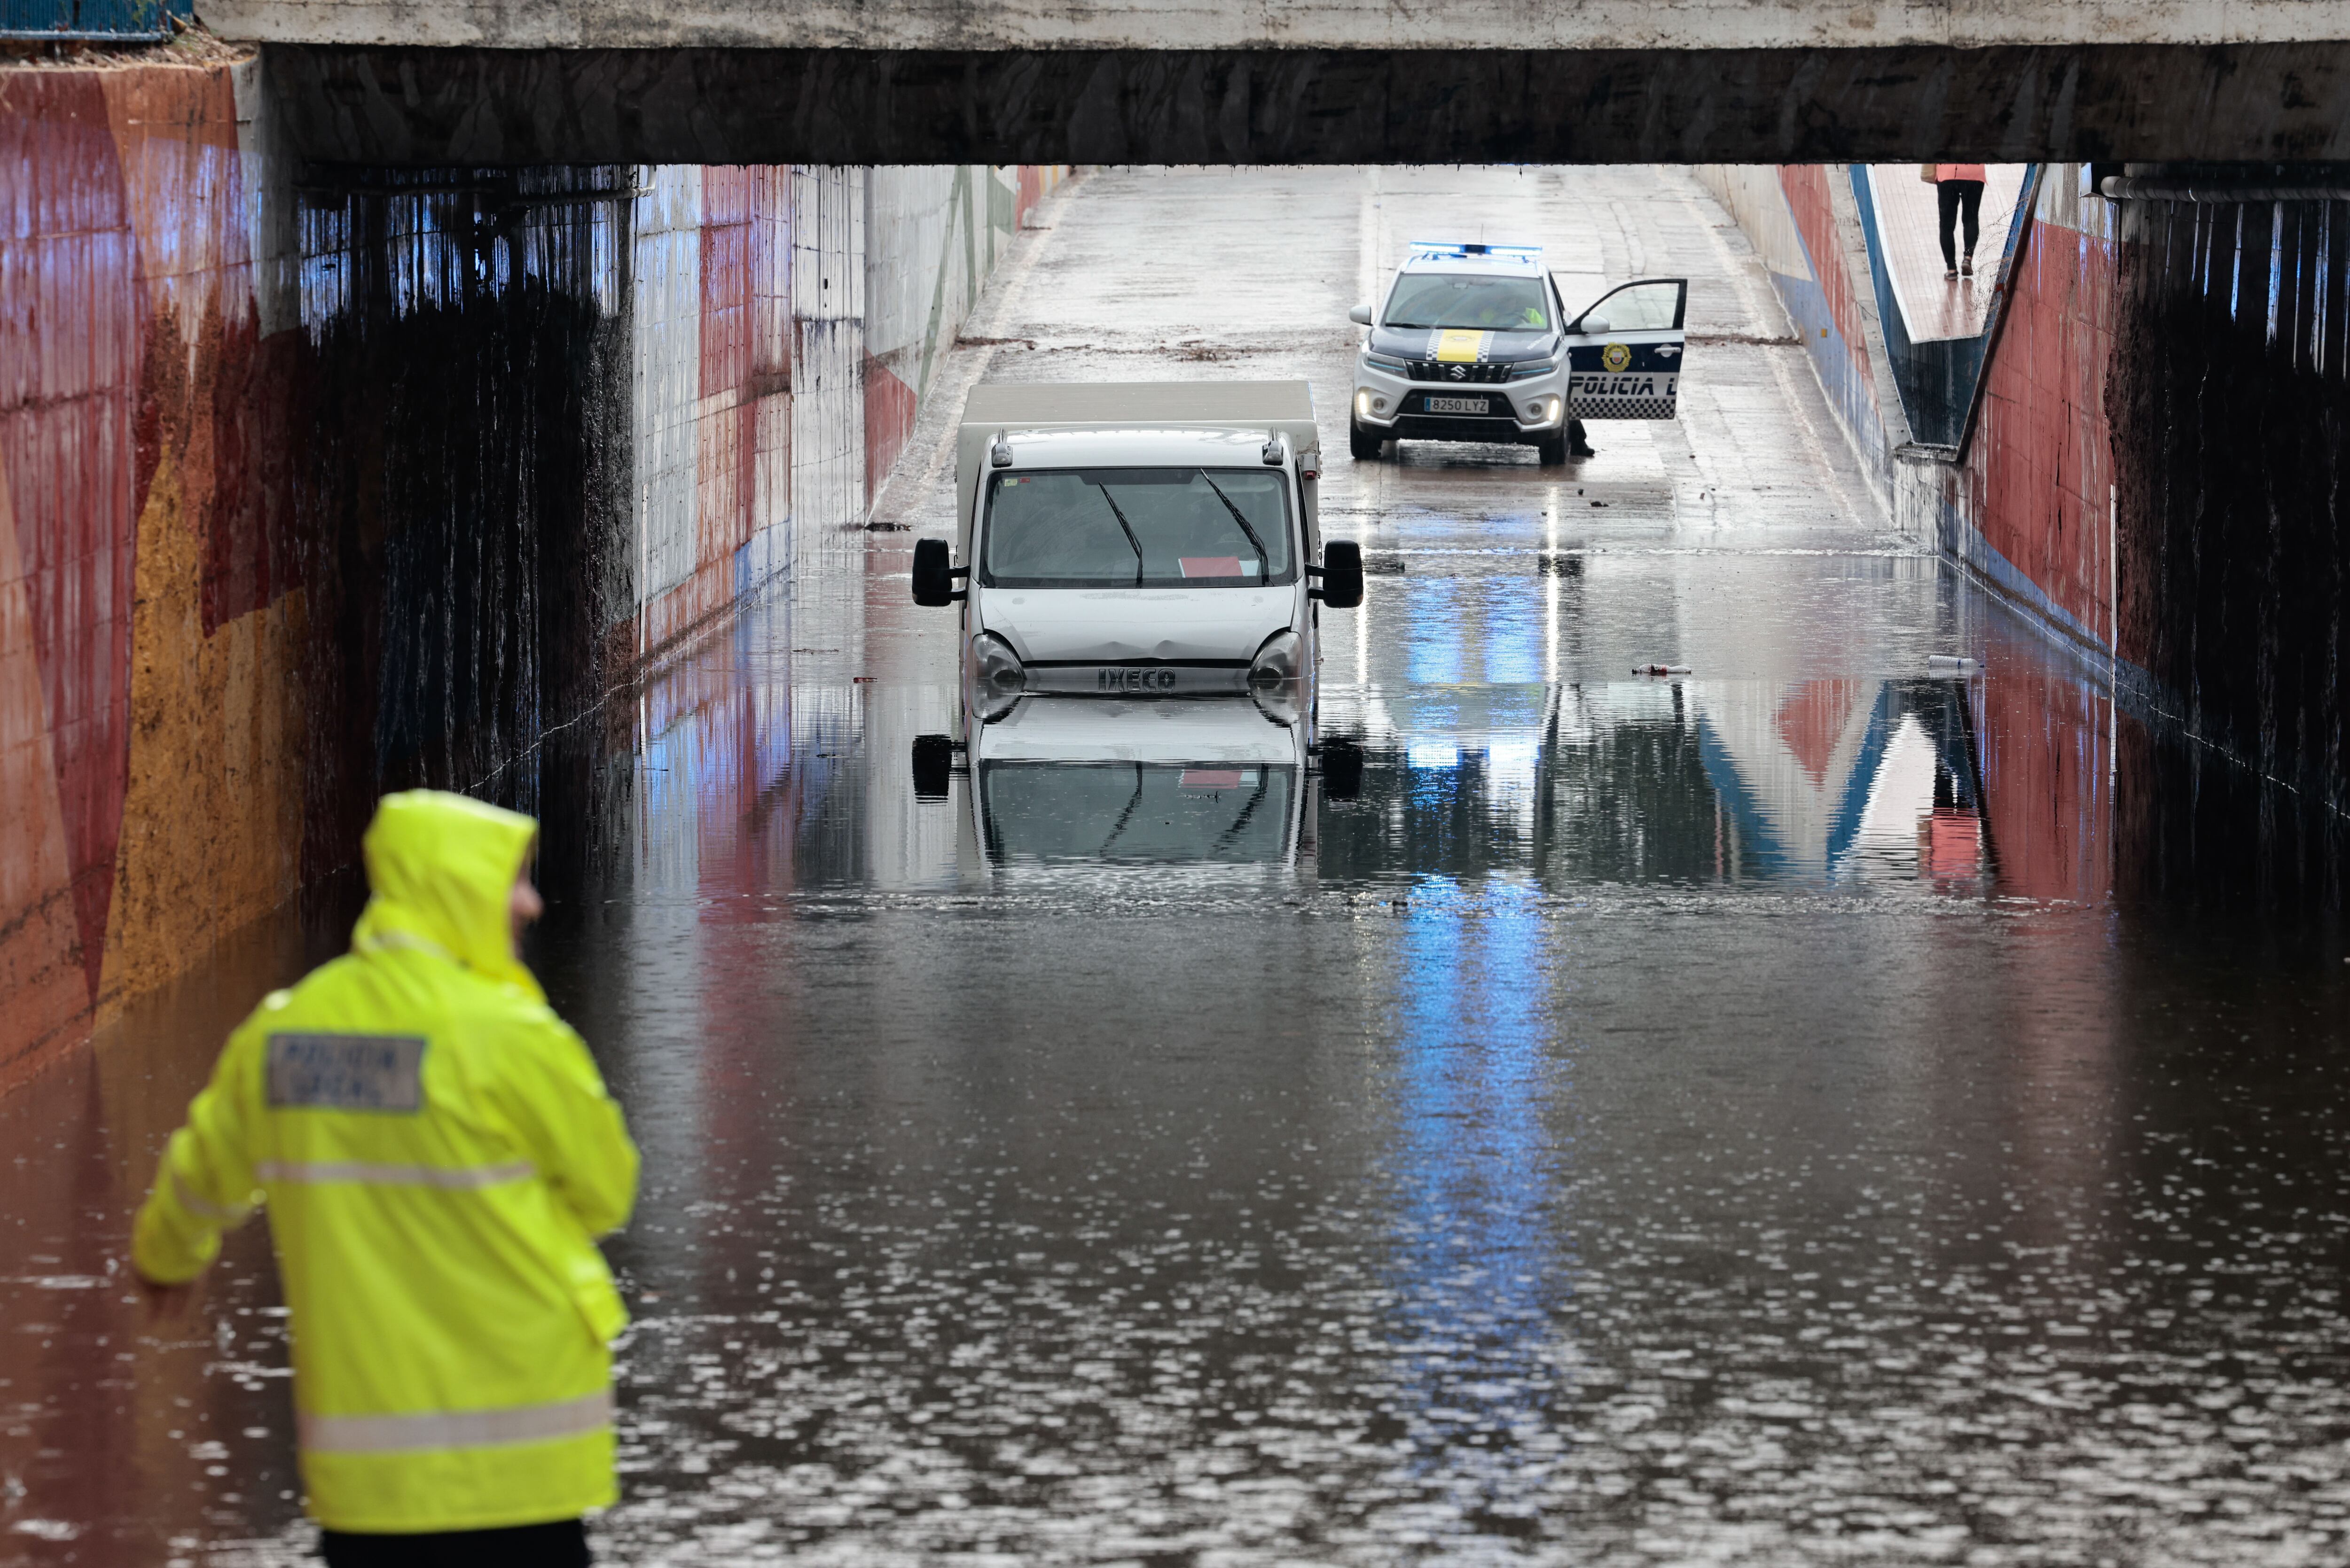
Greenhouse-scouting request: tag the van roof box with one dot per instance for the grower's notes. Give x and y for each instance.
(1285, 406)
(1103, 403)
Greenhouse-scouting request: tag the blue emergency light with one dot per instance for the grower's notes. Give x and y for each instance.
(1461, 249)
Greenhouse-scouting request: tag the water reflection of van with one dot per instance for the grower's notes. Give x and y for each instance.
(1166, 782)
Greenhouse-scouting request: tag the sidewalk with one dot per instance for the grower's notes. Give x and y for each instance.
(1934, 307)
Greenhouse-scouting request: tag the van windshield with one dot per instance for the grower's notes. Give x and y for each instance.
(1138, 528)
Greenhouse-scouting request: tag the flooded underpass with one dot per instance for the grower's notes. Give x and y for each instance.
(1816, 1106)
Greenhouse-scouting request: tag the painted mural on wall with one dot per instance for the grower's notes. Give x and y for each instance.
(306, 493)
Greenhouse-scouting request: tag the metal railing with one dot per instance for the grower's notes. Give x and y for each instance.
(92, 21)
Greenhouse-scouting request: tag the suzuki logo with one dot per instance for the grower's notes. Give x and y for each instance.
(1459, 372)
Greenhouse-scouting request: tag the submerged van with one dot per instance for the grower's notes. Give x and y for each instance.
(1136, 539)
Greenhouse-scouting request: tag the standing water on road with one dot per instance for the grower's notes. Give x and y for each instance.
(1812, 1108)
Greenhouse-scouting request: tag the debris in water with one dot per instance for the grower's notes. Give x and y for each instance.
(1661, 669)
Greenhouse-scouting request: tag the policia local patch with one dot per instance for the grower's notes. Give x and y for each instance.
(382, 1073)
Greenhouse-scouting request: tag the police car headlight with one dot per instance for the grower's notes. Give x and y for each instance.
(996, 666)
(1381, 362)
(1528, 371)
(1278, 659)
(1543, 411)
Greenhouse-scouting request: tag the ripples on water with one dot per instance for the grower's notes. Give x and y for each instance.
(1728, 1120)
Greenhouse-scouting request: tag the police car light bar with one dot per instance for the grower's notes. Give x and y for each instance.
(1462, 248)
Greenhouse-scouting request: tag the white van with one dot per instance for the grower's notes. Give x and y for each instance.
(1152, 539)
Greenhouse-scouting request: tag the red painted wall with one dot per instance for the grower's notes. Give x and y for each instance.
(889, 410)
(71, 328)
(150, 676)
(2040, 469)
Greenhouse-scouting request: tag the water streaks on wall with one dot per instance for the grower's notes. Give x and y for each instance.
(318, 482)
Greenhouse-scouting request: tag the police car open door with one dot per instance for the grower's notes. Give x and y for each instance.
(1624, 352)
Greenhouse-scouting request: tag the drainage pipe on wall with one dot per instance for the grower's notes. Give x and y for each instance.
(2129, 188)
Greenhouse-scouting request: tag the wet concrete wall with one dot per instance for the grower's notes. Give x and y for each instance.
(2153, 475)
(2230, 408)
(319, 480)
(466, 473)
(1799, 219)
(934, 232)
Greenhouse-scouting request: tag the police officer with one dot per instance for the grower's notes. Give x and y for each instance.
(437, 1152)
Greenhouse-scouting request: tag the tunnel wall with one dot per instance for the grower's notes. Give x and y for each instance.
(1789, 213)
(320, 481)
(2230, 408)
(936, 231)
(2155, 475)
(154, 620)
(2029, 506)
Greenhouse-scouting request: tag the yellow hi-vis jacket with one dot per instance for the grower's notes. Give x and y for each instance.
(437, 1152)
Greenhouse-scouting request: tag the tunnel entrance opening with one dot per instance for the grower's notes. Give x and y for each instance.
(1056, 1157)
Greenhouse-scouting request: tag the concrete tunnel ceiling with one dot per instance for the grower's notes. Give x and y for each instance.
(925, 81)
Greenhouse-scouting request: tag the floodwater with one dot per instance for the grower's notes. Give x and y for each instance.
(1803, 1111)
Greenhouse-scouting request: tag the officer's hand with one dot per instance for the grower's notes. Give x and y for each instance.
(165, 1303)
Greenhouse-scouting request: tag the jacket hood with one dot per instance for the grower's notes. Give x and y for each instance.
(440, 870)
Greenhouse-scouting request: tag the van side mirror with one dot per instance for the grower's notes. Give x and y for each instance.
(934, 574)
(1341, 572)
(1360, 316)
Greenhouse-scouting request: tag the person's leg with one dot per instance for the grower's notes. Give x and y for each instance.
(561, 1544)
(1970, 203)
(1577, 444)
(1945, 196)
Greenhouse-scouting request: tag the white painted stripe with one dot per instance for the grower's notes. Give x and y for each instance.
(455, 1428)
(203, 1208)
(462, 1178)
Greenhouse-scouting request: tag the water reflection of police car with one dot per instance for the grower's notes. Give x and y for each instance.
(1474, 344)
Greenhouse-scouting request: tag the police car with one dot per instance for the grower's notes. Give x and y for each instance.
(1475, 344)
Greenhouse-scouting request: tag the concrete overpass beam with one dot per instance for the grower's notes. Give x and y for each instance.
(2010, 102)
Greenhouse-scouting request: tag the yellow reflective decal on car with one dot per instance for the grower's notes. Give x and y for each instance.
(1457, 346)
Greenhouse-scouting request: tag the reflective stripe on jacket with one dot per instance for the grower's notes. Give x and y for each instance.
(437, 1152)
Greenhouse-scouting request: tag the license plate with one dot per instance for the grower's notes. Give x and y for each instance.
(1457, 406)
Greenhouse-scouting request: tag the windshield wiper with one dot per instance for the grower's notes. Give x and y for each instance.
(1127, 528)
(1264, 561)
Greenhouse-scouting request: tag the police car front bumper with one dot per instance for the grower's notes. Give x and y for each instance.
(1514, 410)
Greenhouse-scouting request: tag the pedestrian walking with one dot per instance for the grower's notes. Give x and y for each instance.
(1959, 187)
(437, 1152)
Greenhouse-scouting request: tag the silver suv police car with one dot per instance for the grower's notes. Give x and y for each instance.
(1475, 344)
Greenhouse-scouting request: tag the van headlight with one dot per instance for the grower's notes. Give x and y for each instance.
(1278, 659)
(996, 666)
